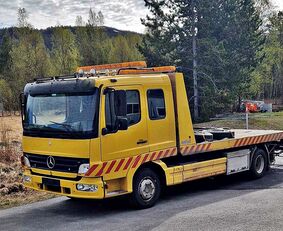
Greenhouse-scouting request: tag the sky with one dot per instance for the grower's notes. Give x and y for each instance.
(120, 14)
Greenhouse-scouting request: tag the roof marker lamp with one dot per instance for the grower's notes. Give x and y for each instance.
(92, 72)
(81, 73)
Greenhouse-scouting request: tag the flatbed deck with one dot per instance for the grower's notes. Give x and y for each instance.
(242, 133)
(242, 138)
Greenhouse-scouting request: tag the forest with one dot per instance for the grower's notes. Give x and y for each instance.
(27, 53)
(229, 50)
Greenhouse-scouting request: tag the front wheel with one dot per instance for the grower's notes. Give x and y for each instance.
(259, 164)
(146, 189)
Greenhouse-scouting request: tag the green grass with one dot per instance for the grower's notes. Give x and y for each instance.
(267, 121)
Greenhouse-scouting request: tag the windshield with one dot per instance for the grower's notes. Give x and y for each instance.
(61, 113)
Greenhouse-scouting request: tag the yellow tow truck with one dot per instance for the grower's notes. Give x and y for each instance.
(116, 129)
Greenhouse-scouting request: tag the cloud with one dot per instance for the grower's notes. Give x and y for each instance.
(122, 14)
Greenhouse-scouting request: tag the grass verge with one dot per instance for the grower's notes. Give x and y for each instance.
(266, 121)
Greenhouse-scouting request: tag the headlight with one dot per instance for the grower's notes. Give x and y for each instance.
(25, 161)
(83, 168)
(87, 187)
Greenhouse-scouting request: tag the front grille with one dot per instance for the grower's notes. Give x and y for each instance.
(62, 164)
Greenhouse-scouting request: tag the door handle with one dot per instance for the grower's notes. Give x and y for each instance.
(141, 141)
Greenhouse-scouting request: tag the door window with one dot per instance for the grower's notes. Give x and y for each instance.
(156, 104)
(133, 109)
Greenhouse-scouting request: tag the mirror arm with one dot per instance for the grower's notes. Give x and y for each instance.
(105, 131)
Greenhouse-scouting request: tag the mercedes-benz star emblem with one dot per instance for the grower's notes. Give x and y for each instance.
(50, 162)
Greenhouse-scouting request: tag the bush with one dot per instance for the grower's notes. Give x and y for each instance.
(5, 94)
(8, 153)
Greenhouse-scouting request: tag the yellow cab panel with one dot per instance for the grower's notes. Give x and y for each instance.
(133, 141)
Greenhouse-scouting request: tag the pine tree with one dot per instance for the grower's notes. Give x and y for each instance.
(5, 48)
(243, 39)
(226, 35)
(267, 79)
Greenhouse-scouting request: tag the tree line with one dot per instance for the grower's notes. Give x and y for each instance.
(27, 53)
(230, 49)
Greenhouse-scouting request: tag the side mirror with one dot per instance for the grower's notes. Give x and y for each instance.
(120, 103)
(117, 111)
(123, 124)
(22, 106)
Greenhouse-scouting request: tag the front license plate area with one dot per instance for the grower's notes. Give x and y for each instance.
(51, 182)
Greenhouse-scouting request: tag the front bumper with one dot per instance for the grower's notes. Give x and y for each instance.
(67, 187)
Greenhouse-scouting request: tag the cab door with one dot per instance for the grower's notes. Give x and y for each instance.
(161, 118)
(134, 140)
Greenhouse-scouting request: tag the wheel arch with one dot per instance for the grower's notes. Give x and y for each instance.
(159, 167)
(264, 147)
(257, 152)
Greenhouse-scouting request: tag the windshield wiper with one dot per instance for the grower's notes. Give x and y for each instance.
(41, 127)
(68, 127)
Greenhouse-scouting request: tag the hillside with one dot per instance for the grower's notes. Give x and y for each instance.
(58, 51)
(47, 33)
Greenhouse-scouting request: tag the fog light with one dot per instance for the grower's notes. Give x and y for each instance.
(87, 187)
(27, 179)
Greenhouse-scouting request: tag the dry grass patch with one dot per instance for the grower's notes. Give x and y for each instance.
(12, 191)
(22, 198)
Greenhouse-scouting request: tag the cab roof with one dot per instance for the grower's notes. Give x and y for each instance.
(89, 77)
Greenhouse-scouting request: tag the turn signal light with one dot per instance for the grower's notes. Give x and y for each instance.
(25, 161)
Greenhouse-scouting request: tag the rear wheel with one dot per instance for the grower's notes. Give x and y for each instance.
(259, 164)
(146, 189)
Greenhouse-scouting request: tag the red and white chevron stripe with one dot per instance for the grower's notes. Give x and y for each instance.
(125, 164)
(192, 149)
(258, 139)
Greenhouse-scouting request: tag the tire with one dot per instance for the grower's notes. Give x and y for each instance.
(146, 189)
(259, 164)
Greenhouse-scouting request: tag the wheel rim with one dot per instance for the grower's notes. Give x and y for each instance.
(259, 164)
(147, 189)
